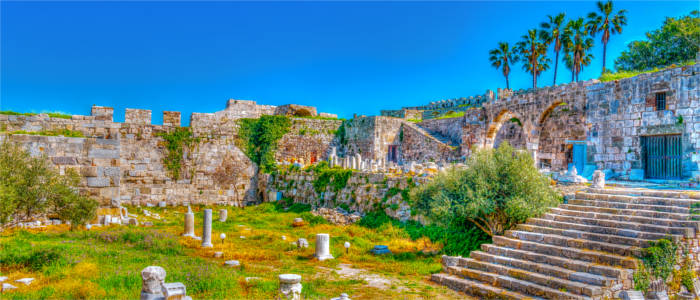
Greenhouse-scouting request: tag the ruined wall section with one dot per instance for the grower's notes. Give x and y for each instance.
(620, 112)
(418, 145)
(360, 137)
(450, 128)
(308, 140)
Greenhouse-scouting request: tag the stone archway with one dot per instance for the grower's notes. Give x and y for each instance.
(558, 125)
(301, 112)
(503, 117)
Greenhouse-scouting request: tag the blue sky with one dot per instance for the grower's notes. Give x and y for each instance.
(342, 57)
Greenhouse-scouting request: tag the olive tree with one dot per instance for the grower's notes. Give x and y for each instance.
(498, 189)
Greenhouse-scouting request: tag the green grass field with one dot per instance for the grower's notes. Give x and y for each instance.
(106, 262)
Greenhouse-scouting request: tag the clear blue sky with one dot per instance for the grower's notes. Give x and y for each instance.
(342, 57)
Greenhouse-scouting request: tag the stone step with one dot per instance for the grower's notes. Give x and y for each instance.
(637, 199)
(568, 252)
(477, 289)
(627, 218)
(539, 268)
(577, 288)
(647, 192)
(586, 235)
(513, 284)
(632, 212)
(604, 230)
(684, 231)
(624, 205)
(559, 261)
(564, 241)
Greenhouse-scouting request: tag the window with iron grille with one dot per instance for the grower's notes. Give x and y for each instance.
(660, 101)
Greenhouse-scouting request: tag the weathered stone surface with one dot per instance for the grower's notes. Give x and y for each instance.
(153, 278)
(206, 229)
(323, 250)
(290, 286)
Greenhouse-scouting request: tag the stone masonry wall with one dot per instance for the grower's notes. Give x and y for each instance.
(309, 140)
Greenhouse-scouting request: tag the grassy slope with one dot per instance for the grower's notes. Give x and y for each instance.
(106, 263)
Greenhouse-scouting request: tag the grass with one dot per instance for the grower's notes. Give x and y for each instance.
(609, 76)
(61, 132)
(414, 120)
(320, 118)
(51, 114)
(451, 115)
(106, 262)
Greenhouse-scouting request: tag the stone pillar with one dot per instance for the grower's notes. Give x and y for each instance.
(223, 215)
(290, 286)
(152, 278)
(353, 163)
(189, 223)
(323, 249)
(598, 180)
(206, 232)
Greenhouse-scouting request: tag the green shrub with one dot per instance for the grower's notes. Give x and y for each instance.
(641, 278)
(336, 178)
(498, 189)
(660, 258)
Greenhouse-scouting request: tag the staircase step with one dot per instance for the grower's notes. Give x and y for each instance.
(632, 212)
(564, 241)
(545, 269)
(627, 218)
(559, 261)
(577, 288)
(625, 205)
(568, 252)
(638, 199)
(606, 238)
(684, 231)
(476, 289)
(647, 192)
(603, 230)
(512, 283)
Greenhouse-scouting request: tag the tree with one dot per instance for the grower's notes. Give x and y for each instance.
(606, 23)
(577, 46)
(502, 57)
(532, 51)
(677, 41)
(498, 189)
(552, 34)
(31, 186)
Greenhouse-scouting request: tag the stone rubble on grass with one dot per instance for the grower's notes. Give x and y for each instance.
(153, 286)
(298, 222)
(337, 216)
(290, 286)
(218, 254)
(232, 263)
(631, 295)
(343, 296)
(223, 215)
(302, 243)
(7, 287)
(26, 281)
(3, 278)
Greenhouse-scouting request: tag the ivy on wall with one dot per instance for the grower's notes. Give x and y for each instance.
(336, 178)
(175, 143)
(258, 139)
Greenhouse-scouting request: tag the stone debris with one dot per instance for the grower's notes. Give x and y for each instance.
(631, 295)
(223, 215)
(343, 296)
(26, 281)
(298, 222)
(7, 287)
(153, 286)
(218, 254)
(232, 263)
(337, 216)
(302, 243)
(3, 278)
(598, 181)
(290, 286)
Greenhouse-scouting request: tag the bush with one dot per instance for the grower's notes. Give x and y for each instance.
(31, 185)
(258, 139)
(499, 189)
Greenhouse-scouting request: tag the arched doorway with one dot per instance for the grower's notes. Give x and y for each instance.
(561, 128)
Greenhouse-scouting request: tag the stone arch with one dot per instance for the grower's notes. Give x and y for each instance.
(558, 124)
(302, 112)
(495, 125)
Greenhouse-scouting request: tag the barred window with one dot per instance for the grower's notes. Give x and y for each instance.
(660, 101)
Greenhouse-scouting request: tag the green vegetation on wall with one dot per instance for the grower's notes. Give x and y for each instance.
(51, 114)
(258, 139)
(658, 263)
(340, 134)
(336, 178)
(175, 143)
(61, 132)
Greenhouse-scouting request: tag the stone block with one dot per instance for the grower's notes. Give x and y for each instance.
(103, 153)
(98, 181)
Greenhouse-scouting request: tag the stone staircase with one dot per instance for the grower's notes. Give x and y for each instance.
(434, 135)
(584, 249)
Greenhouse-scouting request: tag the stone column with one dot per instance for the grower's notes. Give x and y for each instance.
(206, 233)
(223, 215)
(290, 286)
(152, 278)
(323, 250)
(189, 223)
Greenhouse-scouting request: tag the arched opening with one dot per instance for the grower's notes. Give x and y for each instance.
(559, 125)
(506, 126)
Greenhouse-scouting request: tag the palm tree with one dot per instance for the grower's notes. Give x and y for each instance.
(502, 57)
(552, 32)
(533, 51)
(577, 46)
(606, 23)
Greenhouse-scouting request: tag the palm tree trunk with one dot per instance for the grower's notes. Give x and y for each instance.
(572, 75)
(534, 80)
(507, 86)
(605, 46)
(556, 63)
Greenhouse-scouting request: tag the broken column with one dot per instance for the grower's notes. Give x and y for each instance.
(152, 278)
(598, 180)
(290, 286)
(206, 232)
(223, 215)
(323, 250)
(189, 223)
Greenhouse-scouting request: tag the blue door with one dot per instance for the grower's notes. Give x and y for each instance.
(579, 157)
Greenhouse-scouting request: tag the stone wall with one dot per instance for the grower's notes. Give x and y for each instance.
(308, 141)
(450, 128)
